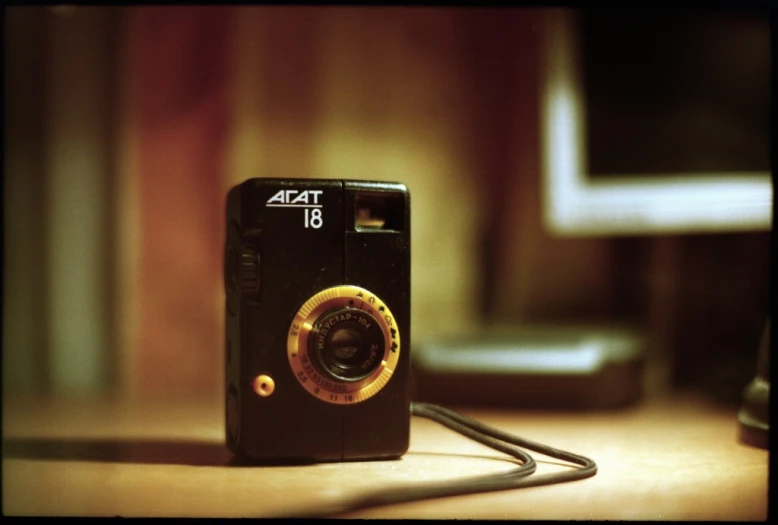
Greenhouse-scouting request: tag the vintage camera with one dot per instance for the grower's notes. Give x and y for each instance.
(317, 279)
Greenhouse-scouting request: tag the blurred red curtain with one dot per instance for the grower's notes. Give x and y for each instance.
(179, 68)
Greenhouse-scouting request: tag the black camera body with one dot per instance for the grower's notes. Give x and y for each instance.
(317, 321)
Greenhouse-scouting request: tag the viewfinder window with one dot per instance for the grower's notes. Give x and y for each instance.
(379, 211)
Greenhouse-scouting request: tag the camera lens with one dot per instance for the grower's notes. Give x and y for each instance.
(348, 344)
(345, 343)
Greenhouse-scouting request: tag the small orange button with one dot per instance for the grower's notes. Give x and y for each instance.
(264, 385)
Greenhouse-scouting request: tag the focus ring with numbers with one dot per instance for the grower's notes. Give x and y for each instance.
(343, 345)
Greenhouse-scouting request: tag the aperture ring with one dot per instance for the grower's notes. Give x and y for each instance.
(329, 389)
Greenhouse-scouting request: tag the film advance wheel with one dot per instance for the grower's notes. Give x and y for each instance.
(343, 345)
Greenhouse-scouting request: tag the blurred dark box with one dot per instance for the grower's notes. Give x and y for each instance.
(564, 367)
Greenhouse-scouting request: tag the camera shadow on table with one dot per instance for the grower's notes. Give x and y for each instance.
(140, 451)
(165, 452)
(160, 452)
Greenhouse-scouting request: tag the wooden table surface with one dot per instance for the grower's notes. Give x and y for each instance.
(667, 459)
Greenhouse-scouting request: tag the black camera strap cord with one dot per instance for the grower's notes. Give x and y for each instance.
(493, 438)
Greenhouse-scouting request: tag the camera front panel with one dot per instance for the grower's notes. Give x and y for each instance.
(379, 259)
(296, 234)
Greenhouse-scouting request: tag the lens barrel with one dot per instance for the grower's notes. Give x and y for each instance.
(343, 344)
(347, 344)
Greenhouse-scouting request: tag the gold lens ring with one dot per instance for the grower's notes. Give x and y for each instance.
(331, 390)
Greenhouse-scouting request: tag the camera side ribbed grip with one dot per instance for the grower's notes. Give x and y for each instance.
(249, 270)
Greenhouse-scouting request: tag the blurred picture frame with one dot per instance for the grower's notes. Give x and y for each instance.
(577, 204)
